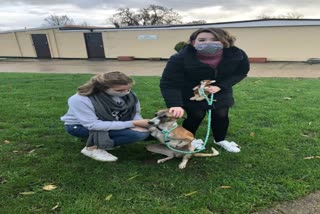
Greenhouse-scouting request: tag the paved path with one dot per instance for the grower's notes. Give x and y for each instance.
(147, 68)
(306, 205)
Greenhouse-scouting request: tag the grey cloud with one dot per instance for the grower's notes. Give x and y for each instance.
(175, 4)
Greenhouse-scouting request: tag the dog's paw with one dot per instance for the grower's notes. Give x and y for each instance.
(182, 165)
(160, 161)
(200, 98)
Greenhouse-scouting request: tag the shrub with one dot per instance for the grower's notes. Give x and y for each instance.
(179, 46)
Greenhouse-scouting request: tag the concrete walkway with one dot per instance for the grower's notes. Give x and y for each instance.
(147, 68)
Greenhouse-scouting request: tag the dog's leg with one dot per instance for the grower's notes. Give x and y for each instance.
(200, 98)
(165, 159)
(214, 153)
(161, 149)
(184, 161)
(195, 97)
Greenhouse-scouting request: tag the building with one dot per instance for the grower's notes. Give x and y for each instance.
(266, 39)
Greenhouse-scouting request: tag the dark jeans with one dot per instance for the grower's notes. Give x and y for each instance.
(120, 137)
(219, 121)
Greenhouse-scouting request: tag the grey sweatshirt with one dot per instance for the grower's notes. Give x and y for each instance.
(81, 111)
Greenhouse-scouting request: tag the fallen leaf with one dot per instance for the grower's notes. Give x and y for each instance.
(307, 158)
(304, 135)
(190, 193)
(32, 151)
(311, 157)
(287, 98)
(251, 134)
(132, 177)
(49, 187)
(225, 187)
(108, 198)
(55, 207)
(6, 141)
(15, 151)
(27, 193)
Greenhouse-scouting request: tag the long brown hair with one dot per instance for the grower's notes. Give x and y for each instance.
(101, 82)
(223, 36)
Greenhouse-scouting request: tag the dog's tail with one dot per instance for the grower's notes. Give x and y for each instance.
(214, 153)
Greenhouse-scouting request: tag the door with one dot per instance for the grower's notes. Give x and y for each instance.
(94, 45)
(41, 46)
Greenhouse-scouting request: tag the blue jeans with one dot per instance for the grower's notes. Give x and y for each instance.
(120, 137)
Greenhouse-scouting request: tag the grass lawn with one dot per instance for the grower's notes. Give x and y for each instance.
(276, 121)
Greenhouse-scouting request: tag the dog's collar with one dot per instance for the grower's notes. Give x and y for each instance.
(175, 125)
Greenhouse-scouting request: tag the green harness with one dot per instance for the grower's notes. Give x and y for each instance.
(167, 132)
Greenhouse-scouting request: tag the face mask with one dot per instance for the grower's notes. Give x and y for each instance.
(116, 93)
(208, 48)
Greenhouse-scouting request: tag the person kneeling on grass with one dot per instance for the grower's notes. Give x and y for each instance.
(106, 112)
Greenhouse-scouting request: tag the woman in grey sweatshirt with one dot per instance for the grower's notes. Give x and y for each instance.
(107, 113)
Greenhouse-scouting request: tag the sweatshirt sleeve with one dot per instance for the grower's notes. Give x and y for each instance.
(239, 74)
(172, 80)
(81, 107)
(138, 112)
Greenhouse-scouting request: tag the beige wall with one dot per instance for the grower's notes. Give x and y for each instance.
(70, 44)
(9, 45)
(274, 43)
(126, 43)
(279, 43)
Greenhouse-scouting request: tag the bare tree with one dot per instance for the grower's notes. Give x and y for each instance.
(55, 20)
(125, 17)
(195, 22)
(290, 15)
(152, 15)
(84, 24)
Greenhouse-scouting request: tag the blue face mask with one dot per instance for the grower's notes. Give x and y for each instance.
(208, 48)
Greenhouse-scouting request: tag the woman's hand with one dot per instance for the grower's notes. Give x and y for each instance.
(212, 89)
(176, 111)
(141, 123)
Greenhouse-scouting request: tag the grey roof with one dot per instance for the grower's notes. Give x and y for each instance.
(235, 24)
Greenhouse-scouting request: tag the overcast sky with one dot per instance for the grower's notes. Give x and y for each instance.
(18, 14)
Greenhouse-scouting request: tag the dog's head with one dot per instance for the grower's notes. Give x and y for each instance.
(162, 116)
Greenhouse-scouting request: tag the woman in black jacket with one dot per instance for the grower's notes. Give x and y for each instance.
(210, 55)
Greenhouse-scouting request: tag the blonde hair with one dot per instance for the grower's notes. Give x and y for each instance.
(101, 82)
(222, 35)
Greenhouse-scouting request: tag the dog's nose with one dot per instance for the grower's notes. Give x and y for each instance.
(150, 122)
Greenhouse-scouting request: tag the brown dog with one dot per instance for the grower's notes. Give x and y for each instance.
(179, 138)
(196, 90)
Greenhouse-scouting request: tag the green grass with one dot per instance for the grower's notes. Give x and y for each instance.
(276, 121)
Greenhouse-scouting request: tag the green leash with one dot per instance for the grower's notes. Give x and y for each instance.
(167, 132)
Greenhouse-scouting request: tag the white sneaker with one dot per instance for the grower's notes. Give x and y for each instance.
(229, 146)
(99, 155)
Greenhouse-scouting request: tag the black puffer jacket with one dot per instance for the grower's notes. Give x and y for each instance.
(184, 71)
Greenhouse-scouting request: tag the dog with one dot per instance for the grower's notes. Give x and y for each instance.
(179, 138)
(198, 88)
